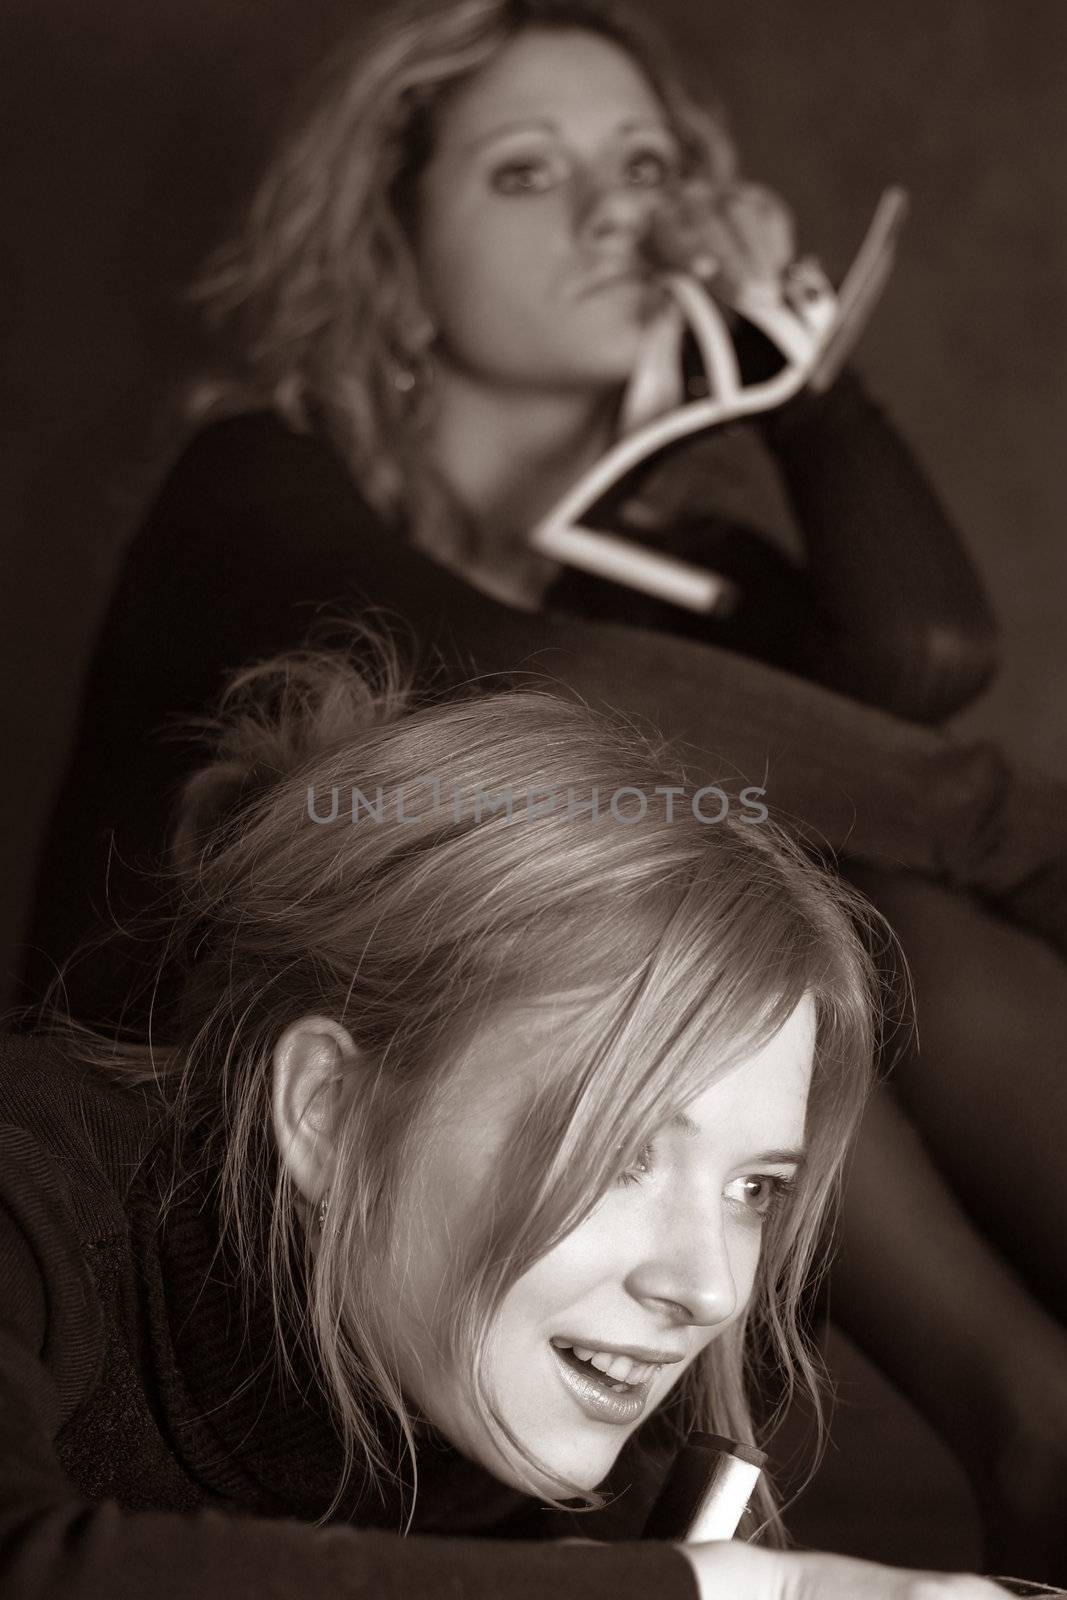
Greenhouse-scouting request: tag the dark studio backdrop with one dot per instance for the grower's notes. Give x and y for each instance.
(130, 130)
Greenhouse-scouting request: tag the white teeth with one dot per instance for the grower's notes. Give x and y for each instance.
(621, 1369)
(617, 1367)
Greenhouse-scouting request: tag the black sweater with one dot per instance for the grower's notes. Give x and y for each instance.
(258, 530)
(146, 1452)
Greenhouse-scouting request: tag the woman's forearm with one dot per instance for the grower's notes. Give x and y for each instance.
(83, 1551)
(913, 629)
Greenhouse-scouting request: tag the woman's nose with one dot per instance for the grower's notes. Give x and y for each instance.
(608, 209)
(689, 1273)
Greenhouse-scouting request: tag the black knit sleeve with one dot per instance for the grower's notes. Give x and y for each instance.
(900, 615)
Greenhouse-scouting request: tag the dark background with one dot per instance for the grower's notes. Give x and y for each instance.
(131, 129)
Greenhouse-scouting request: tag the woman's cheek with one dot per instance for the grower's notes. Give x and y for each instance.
(746, 1241)
(484, 298)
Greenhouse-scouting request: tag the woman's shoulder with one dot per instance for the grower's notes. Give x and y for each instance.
(257, 450)
(259, 428)
(70, 1145)
(249, 492)
(66, 1127)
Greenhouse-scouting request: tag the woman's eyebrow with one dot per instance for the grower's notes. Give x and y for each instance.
(549, 125)
(635, 124)
(791, 1155)
(519, 125)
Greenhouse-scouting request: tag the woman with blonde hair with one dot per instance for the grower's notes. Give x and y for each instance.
(436, 302)
(504, 1104)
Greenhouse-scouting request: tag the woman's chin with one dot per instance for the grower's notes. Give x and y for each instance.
(615, 360)
(559, 1475)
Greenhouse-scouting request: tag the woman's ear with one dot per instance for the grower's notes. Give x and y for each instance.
(312, 1064)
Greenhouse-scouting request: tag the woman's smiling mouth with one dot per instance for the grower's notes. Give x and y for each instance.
(608, 1385)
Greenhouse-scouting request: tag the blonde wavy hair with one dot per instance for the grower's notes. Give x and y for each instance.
(318, 294)
(689, 944)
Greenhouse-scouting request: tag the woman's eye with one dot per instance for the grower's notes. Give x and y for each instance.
(639, 1167)
(523, 177)
(648, 169)
(763, 1194)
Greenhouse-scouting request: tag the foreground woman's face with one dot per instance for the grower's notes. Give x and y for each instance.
(590, 1340)
(532, 212)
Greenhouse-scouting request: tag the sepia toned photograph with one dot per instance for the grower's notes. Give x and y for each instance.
(534, 831)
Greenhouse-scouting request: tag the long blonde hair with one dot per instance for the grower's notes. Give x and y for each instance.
(689, 943)
(318, 293)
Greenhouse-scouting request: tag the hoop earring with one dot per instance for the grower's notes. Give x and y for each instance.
(323, 1212)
